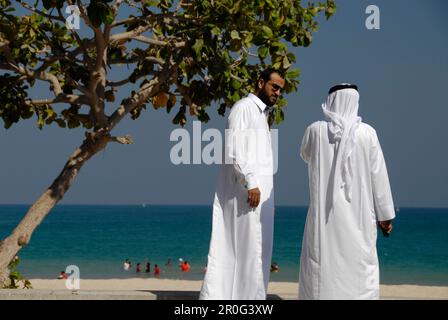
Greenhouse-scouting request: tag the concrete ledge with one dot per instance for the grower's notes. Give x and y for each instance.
(14, 294)
(33, 294)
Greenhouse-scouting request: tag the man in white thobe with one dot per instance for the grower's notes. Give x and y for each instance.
(350, 196)
(243, 210)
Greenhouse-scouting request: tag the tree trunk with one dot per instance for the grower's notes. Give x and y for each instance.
(10, 246)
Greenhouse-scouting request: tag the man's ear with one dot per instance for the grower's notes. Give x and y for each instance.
(260, 84)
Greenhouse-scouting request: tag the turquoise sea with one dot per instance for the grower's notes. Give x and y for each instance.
(99, 238)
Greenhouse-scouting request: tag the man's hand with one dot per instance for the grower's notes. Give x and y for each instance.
(253, 197)
(386, 227)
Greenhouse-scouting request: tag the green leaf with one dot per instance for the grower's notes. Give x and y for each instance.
(278, 115)
(280, 45)
(235, 35)
(286, 63)
(235, 97)
(150, 3)
(291, 56)
(293, 73)
(267, 32)
(271, 3)
(313, 11)
(183, 67)
(281, 103)
(248, 39)
(40, 121)
(197, 47)
(277, 65)
(263, 52)
(236, 84)
(307, 38)
(216, 31)
(109, 18)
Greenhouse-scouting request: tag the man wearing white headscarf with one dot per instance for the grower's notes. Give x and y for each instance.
(350, 196)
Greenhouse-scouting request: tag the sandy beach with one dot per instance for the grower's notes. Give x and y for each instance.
(152, 289)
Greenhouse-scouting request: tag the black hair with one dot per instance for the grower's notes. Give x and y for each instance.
(265, 75)
(342, 86)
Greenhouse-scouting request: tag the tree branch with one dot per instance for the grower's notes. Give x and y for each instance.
(237, 78)
(84, 15)
(124, 36)
(41, 75)
(116, 5)
(127, 139)
(148, 90)
(97, 81)
(84, 49)
(41, 13)
(122, 82)
(137, 59)
(79, 87)
(61, 98)
(124, 21)
(179, 44)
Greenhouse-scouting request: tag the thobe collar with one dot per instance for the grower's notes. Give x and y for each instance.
(260, 104)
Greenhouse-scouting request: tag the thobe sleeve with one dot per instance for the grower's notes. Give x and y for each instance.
(237, 148)
(382, 195)
(305, 148)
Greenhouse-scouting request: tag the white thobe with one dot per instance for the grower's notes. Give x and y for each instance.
(339, 258)
(241, 242)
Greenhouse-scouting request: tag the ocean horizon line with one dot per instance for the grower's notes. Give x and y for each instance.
(190, 205)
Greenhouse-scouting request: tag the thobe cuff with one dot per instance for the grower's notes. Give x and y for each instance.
(386, 213)
(251, 181)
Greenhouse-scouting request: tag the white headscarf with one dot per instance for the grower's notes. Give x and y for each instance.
(341, 112)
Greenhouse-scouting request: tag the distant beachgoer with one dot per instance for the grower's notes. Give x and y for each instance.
(168, 262)
(63, 275)
(127, 265)
(148, 267)
(138, 268)
(185, 266)
(156, 271)
(275, 267)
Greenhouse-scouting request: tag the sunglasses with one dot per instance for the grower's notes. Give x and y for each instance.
(276, 87)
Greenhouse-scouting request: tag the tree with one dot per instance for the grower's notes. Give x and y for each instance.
(206, 52)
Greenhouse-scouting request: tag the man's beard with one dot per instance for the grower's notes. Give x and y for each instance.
(264, 97)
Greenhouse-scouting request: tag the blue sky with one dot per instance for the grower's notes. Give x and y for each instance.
(401, 70)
